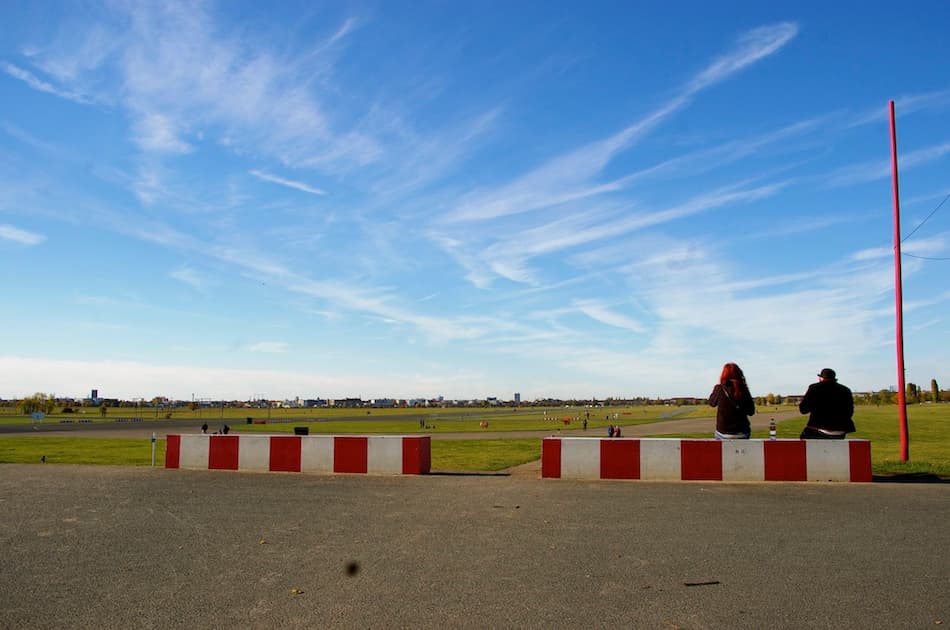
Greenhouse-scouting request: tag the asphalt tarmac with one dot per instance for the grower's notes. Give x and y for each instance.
(116, 547)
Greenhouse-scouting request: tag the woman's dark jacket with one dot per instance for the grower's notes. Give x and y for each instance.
(732, 416)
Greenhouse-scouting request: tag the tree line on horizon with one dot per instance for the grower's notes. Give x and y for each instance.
(47, 403)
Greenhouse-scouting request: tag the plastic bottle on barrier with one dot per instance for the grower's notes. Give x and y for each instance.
(772, 429)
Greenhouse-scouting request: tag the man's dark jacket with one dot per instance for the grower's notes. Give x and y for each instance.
(831, 406)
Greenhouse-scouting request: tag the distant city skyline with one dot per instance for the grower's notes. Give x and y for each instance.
(397, 199)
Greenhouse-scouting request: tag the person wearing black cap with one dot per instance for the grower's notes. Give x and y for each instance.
(831, 406)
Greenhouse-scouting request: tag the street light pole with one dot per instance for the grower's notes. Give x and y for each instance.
(898, 296)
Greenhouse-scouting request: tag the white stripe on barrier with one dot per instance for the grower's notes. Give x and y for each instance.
(194, 451)
(660, 459)
(828, 460)
(384, 454)
(742, 460)
(316, 454)
(254, 453)
(580, 459)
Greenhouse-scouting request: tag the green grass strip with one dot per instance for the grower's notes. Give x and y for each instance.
(67, 450)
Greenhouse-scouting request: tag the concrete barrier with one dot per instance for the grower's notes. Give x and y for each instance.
(674, 459)
(377, 454)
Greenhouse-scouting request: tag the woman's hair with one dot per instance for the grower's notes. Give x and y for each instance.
(733, 379)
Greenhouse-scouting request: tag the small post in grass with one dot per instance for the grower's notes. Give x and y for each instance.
(153, 449)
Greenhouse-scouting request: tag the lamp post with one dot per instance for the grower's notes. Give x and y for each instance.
(898, 297)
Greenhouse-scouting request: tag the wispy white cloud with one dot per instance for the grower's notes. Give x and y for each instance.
(22, 237)
(602, 313)
(267, 177)
(183, 76)
(42, 86)
(717, 157)
(508, 256)
(269, 347)
(568, 177)
(799, 225)
(427, 157)
(252, 97)
(919, 246)
(189, 276)
(79, 48)
(907, 104)
(880, 169)
(159, 133)
(752, 46)
(125, 379)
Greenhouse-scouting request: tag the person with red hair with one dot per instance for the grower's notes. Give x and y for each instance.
(733, 404)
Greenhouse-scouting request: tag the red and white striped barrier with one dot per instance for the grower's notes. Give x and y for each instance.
(706, 459)
(377, 454)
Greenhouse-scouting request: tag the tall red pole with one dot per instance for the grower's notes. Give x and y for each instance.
(898, 297)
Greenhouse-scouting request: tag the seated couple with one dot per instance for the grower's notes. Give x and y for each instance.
(830, 404)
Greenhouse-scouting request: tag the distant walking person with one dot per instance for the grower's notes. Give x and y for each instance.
(831, 406)
(733, 404)
(610, 430)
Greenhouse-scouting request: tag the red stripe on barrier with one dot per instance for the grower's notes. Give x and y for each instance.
(223, 452)
(173, 451)
(620, 459)
(785, 460)
(349, 454)
(285, 453)
(416, 455)
(551, 459)
(701, 460)
(860, 455)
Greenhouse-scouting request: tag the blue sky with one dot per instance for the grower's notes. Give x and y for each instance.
(241, 200)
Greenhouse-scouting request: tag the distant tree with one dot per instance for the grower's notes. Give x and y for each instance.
(37, 403)
(770, 399)
(934, 390)
(910, 393)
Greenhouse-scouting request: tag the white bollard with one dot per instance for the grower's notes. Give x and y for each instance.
(153, 448)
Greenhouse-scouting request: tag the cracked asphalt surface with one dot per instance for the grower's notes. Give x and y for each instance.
(116, 547)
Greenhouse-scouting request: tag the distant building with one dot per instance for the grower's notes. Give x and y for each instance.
(346, 402)
(517, 398)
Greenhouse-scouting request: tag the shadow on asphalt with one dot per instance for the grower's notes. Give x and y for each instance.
(466, 473)
(910, 478)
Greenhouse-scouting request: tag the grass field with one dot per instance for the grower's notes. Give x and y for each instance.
(929, 428)
(66, 450)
